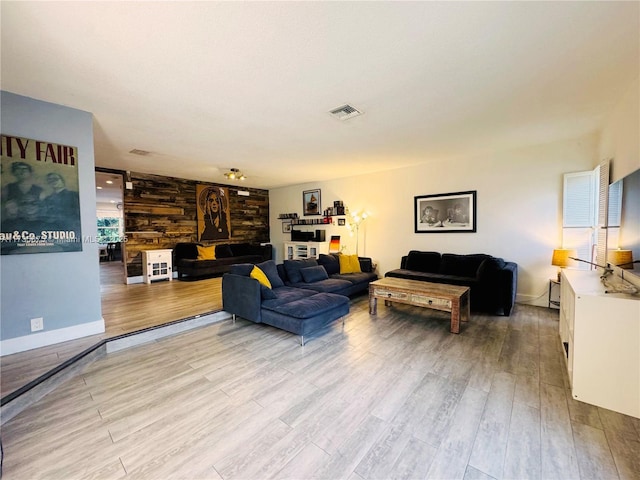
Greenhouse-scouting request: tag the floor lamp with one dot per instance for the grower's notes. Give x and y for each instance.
(356, 221)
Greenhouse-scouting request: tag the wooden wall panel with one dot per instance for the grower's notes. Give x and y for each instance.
(161, 211)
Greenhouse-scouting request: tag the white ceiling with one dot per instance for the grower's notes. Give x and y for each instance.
(206, 86)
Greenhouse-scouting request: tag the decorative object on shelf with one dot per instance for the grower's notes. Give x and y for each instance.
(311, 204)
(445, 212)
(214, 217)
(342, 222)
(286, 226)
(354, 224)
(562, 258)
(235, 174)
(334, 244)
(619, 287)
(287, 215)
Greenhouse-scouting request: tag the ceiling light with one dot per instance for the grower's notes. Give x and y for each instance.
(109, 182)
(99, 188)
(234, 174)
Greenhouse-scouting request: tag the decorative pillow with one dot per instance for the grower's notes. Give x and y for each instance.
(266, 293)
(293, 267)
(242, 269)
(260, 276)
(330, 263)
(349, 264)
(206, 253)
(314, 274)
(223, 251)
(270, 269)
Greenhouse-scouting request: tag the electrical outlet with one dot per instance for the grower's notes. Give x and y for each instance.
(37, 324)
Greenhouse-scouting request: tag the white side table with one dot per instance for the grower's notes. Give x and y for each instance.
(157, 265)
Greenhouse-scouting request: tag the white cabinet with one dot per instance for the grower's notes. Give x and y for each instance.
(600, 333)
(302, 250)
(156, 265)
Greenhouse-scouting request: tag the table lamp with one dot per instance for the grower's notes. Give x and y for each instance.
(561, 258)
(621, 258)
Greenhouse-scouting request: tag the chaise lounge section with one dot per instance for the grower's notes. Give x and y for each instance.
(492, 280)
(297, 310)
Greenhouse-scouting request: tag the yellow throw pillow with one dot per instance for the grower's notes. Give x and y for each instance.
(206, 253)
(259, 275)
(349, 264)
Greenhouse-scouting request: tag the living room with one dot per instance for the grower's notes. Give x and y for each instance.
(519, 182)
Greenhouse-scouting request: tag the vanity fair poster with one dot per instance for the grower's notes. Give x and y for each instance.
(40, 202)
(214, 219)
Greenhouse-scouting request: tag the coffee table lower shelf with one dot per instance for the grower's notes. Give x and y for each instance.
(437, 296)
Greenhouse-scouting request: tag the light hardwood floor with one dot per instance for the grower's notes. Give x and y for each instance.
(125, 309)
(388, 396)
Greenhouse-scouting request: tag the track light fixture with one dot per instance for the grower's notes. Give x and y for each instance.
(235, 174)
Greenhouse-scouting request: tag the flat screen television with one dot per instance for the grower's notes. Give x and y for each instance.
(623, 224)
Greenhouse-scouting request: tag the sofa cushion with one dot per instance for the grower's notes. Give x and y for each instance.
(267, 293)
(206, 253)
(240, 249)
(330, 263)
(329, 285)
(286, 295)
(349, 264)
(423, 261)
(186, 250)
(259, 275)
(243, 269)
(461, 265)
(271, 271)
(309, 306)
(355, 278)
(314, 274)
(293, 267)
(224, 251)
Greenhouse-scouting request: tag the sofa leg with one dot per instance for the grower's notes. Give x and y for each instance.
(233, 318)
(302, 340)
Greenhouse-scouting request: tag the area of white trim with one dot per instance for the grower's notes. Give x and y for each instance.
(42, 339)
(140, 278)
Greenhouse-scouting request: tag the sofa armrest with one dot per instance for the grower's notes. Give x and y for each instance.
(403, 262)
(241, 296)
(267, 252)
(509, 283)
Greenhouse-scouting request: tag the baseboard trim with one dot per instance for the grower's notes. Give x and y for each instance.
(50, 337)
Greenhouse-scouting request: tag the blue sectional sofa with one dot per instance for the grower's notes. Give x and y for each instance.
(303, 299)
(493, 281)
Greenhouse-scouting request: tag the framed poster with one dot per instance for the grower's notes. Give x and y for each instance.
(311, 204)
(40, 200)
(445, 212)
(286, 226)
(214, 218)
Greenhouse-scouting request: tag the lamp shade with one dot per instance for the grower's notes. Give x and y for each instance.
(561, 257)
(621, 258)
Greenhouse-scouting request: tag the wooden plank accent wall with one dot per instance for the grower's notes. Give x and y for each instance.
(160, 212)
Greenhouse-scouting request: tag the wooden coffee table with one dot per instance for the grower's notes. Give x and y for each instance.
(438, 296)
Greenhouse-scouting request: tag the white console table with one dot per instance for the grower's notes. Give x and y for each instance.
(600, 333)
(302, 250)
(157, 265)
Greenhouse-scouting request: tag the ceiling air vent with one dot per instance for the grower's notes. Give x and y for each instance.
(142, 153)
(345, 112)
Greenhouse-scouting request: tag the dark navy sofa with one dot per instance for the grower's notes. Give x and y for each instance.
(304, 296)
(186, 261)
(492, 280)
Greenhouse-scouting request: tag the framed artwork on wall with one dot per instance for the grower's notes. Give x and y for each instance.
(311, 204)
(214, 217)
(286, 226)
(445, 212)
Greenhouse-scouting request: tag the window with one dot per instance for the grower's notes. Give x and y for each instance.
(109, 229)
(579, 214)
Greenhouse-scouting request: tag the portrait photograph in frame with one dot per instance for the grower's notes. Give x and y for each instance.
(311, 204)
(445, 212)
(286, 226)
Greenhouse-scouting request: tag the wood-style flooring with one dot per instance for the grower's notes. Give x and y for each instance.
(125, 309)
(382, 397)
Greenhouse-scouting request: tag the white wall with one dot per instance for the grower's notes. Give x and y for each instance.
(620, 138)
(62, 287)
(519, 210)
